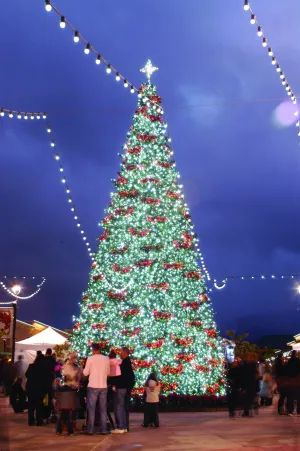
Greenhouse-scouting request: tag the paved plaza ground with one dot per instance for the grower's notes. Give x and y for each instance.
(202, 431)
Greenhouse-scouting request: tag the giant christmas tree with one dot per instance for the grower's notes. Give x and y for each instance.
(146, 289)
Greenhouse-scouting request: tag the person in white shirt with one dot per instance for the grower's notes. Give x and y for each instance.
(97, 368)
(152, 390)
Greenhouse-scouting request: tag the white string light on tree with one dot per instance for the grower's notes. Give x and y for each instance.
(274, 61)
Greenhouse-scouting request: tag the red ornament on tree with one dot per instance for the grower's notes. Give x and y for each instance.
(162, 316)
(118, 296)
(124, 211)
(193, 305)
(98, 278)
(99, 326)
(179, 265)
(96, 307)
(155, 344)
(135, 232)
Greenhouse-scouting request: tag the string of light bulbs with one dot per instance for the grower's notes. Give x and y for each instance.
(57, 156)
(22, 114)
(17, 296)
(89, 48)
(274, 61)
(222, 284)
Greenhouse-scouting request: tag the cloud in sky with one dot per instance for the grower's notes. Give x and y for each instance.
(211, 110)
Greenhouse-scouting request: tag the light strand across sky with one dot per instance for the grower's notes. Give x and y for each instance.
(89, 48)
(16, 295)
(220, 286)
(282, 77)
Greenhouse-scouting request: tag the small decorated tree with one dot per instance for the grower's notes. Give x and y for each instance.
(146, 289)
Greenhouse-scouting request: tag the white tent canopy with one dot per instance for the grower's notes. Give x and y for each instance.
(48, 338)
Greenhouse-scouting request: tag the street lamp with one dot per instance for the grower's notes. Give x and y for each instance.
(16, 289)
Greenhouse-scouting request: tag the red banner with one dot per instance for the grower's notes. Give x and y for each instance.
(6, 322)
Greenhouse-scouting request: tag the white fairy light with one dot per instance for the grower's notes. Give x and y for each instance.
(48, 6)
(98, 59)
(246, 5)
(108, 69)
(76, 36)
(87, 49)
(62, 22)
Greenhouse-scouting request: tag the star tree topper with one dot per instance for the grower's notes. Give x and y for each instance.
(148, 70)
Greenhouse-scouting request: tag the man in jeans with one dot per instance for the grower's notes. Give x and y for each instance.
(97, 368)
(123, 385)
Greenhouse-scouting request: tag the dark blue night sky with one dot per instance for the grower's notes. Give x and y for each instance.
(239, 168)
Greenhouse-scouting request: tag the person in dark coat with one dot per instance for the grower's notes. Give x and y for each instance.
(293, 385)
(248, 383)
(280, 376)
(233, 387)
(123, 386)
(36, 390)
(17, 397)
(49, 364)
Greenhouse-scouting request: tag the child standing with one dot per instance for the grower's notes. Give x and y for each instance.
(266, 392)
(152, 390)
(114, 363)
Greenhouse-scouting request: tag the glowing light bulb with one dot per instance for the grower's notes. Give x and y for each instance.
(278, 67)
(264, 42)
(57, 157)
(2, 112)
(62, 22)
(32, 117)
(259, 31)
(38, 116)
(19, 116)
(52, 144)
(48, 6)
(118, 78)
(61, 169)
(273, 60)
(49, 130)
(281, 75)
(11, 114)
(252, 20)
(246, 5)
(25, 117)
(87, 49)
(63, 180)
(44, 116)
(270, 51)
(98, 60)
(108, 69)
(132, 90)
(125, 84)
(76, 36)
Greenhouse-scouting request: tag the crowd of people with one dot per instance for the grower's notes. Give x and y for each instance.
(252, 384)
(57, 390)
